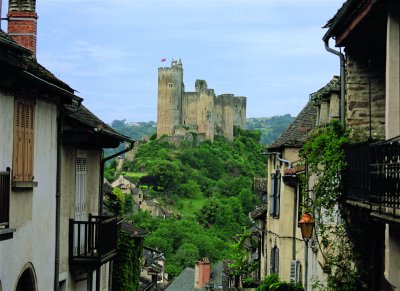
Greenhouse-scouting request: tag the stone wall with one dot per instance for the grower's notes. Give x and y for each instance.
(365, 81)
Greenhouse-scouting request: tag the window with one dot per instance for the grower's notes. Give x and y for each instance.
(274, 261)
(170, 85)
(275, 194)
(24, 120)
(4, 198)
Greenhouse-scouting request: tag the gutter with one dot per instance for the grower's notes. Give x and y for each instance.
(277, 154)
(60, 124)
(63, 92)
(103, 161)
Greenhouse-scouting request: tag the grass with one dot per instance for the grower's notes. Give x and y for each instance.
(190, 205)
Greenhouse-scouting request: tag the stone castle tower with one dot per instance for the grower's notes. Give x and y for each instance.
(180, 113)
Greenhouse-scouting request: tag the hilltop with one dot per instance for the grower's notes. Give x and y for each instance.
(270, 127)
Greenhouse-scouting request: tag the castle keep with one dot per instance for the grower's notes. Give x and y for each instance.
(182, 114)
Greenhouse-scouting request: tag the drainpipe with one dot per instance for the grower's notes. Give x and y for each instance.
(342, 76)
(103, 161)
(60, 124)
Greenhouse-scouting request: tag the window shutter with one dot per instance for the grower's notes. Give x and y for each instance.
(278, 193)
(19, 140)
(80, 191)
(24, 128)
(295, 271)
(29, 142)
(80, 201)
(272, 196)
(272, 262)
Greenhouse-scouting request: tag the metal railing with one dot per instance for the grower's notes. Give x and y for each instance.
(4, 198)
(373, 175)
(385, 175)
(93, 241)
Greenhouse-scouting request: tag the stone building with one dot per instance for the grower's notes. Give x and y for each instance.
(369, 34)
(182, 114)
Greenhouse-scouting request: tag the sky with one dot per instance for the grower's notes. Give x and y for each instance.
(270, 51)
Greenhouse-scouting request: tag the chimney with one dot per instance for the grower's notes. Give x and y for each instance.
(22, 23)
(202, 273)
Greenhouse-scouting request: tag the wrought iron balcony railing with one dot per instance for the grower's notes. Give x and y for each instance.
(92, 242)
(373, 175)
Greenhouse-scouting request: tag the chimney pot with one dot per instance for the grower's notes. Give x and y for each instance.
(22, 23)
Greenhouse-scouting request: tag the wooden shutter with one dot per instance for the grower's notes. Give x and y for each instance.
(19, 140)
(272, 196)
(29, 142)
(24, 128)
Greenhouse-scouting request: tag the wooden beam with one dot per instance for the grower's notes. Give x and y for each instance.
(340, 38)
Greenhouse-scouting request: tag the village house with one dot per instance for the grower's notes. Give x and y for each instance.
(369, 33)
(285, 252)
(53, 235)
(125, 183)
(153, 268)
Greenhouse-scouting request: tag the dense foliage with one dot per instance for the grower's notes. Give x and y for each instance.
(209, 189)
(324, 155)
(272, 283)
(126, 273)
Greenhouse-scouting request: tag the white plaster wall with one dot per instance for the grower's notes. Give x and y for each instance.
(68, 157)
(32, 212)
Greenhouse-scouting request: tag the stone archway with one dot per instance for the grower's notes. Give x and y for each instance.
(27, 279)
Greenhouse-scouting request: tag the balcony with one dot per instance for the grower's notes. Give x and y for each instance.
(93, 242)
(373, 175)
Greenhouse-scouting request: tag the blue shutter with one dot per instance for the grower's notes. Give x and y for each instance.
(278, 193)
(272, 196)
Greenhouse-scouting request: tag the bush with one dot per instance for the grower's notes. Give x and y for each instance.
(272, 283)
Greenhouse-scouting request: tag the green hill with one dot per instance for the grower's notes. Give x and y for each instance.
(270, 127)
(209, 185)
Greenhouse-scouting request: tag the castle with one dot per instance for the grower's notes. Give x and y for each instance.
(182, 114)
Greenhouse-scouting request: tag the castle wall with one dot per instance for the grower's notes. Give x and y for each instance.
(189, 108)
(170, 84)
(239, 112)
(200, 112)
(224, 113)
(205, 109)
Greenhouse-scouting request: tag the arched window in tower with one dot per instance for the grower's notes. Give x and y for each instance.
(170, 85)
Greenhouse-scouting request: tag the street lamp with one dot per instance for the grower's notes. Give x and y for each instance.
(307, 223)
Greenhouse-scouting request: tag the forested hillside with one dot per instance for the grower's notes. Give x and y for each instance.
(209, 188)
(270, 127)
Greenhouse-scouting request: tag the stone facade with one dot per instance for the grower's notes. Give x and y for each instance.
(365, 93)
(201, 112)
